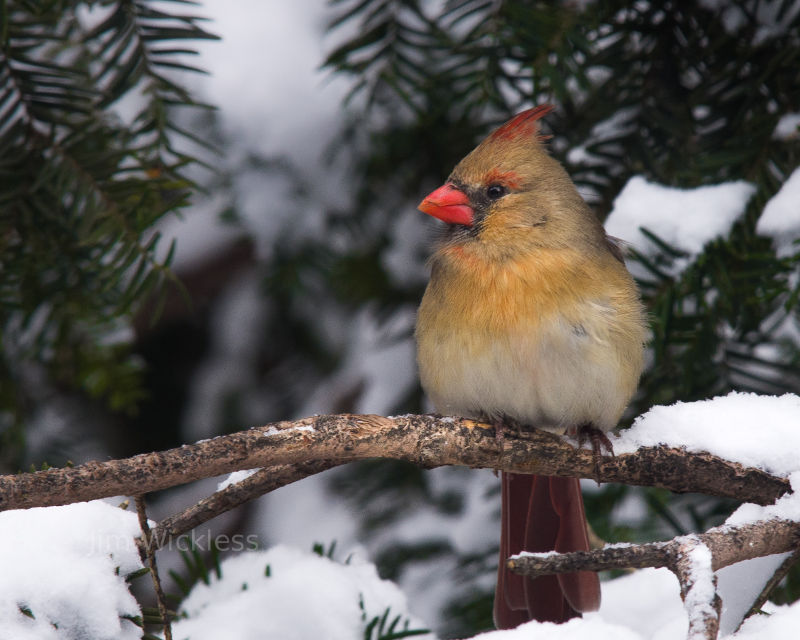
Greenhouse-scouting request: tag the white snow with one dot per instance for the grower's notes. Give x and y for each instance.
(646, 605)
(755, 430)
(304, 513)
(781, 622)
(541, 555)
(384, 360)
(431, 583)
(304, 596)
(60, 562)
(265, 74)
(771, 19)
(787, 507)
(275, 103)
(788, 127)
(614, 127)
(740, 584)
(236, 476)
(758, 431)
(575, 629)
(686, 219)
(199, 236)
(66, 566)
(781, 216)
(274, 431)
(700, 594)
(647, 601)
(379, 363)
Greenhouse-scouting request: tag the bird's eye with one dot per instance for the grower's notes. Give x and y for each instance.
(496, 191)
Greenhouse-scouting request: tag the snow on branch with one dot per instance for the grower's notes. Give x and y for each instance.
(280, 453)
(428, 441)
(692, 558)
(231, 496)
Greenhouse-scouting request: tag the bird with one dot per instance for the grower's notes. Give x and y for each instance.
(530, 319)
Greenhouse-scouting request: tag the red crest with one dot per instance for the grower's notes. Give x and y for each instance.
(522, 125)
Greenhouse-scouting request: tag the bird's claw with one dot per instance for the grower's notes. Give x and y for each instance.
(600, 444)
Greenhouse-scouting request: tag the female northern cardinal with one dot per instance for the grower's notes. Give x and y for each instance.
(530, 319)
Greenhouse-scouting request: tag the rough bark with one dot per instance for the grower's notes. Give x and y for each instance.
(693, 559)
(261, 482)
(428, 441)
(287, 451)
(150, 554)
(728, 545)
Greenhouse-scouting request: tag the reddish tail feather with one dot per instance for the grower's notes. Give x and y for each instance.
(542, 513)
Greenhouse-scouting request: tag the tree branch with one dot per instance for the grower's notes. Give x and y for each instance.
(288, 451)
(698, 583)
(261, 482)
(150, 552)
(728, 545)
(693, 559)
(428, 441)
(773, 582)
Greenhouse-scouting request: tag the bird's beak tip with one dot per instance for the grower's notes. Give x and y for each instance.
(449, 204)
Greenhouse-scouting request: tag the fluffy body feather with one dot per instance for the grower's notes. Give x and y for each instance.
(550, 338)
(531, 319)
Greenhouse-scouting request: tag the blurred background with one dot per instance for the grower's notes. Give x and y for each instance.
(208, 223)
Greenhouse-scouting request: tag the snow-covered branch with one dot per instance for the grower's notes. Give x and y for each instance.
(677, 448)
(428, 441)
(693, 559)
(728, 545)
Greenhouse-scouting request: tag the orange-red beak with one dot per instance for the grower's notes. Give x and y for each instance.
(448, 203)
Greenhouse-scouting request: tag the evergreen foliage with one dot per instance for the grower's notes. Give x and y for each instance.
(685, 94)
(81, 188)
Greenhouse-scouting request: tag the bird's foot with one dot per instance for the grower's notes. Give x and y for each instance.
(600, 444)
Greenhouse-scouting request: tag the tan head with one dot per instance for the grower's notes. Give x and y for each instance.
(508, 192)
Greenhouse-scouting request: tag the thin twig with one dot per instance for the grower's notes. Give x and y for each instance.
(728, 545)
(773, 582)
(151, 560)
(254, 486)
